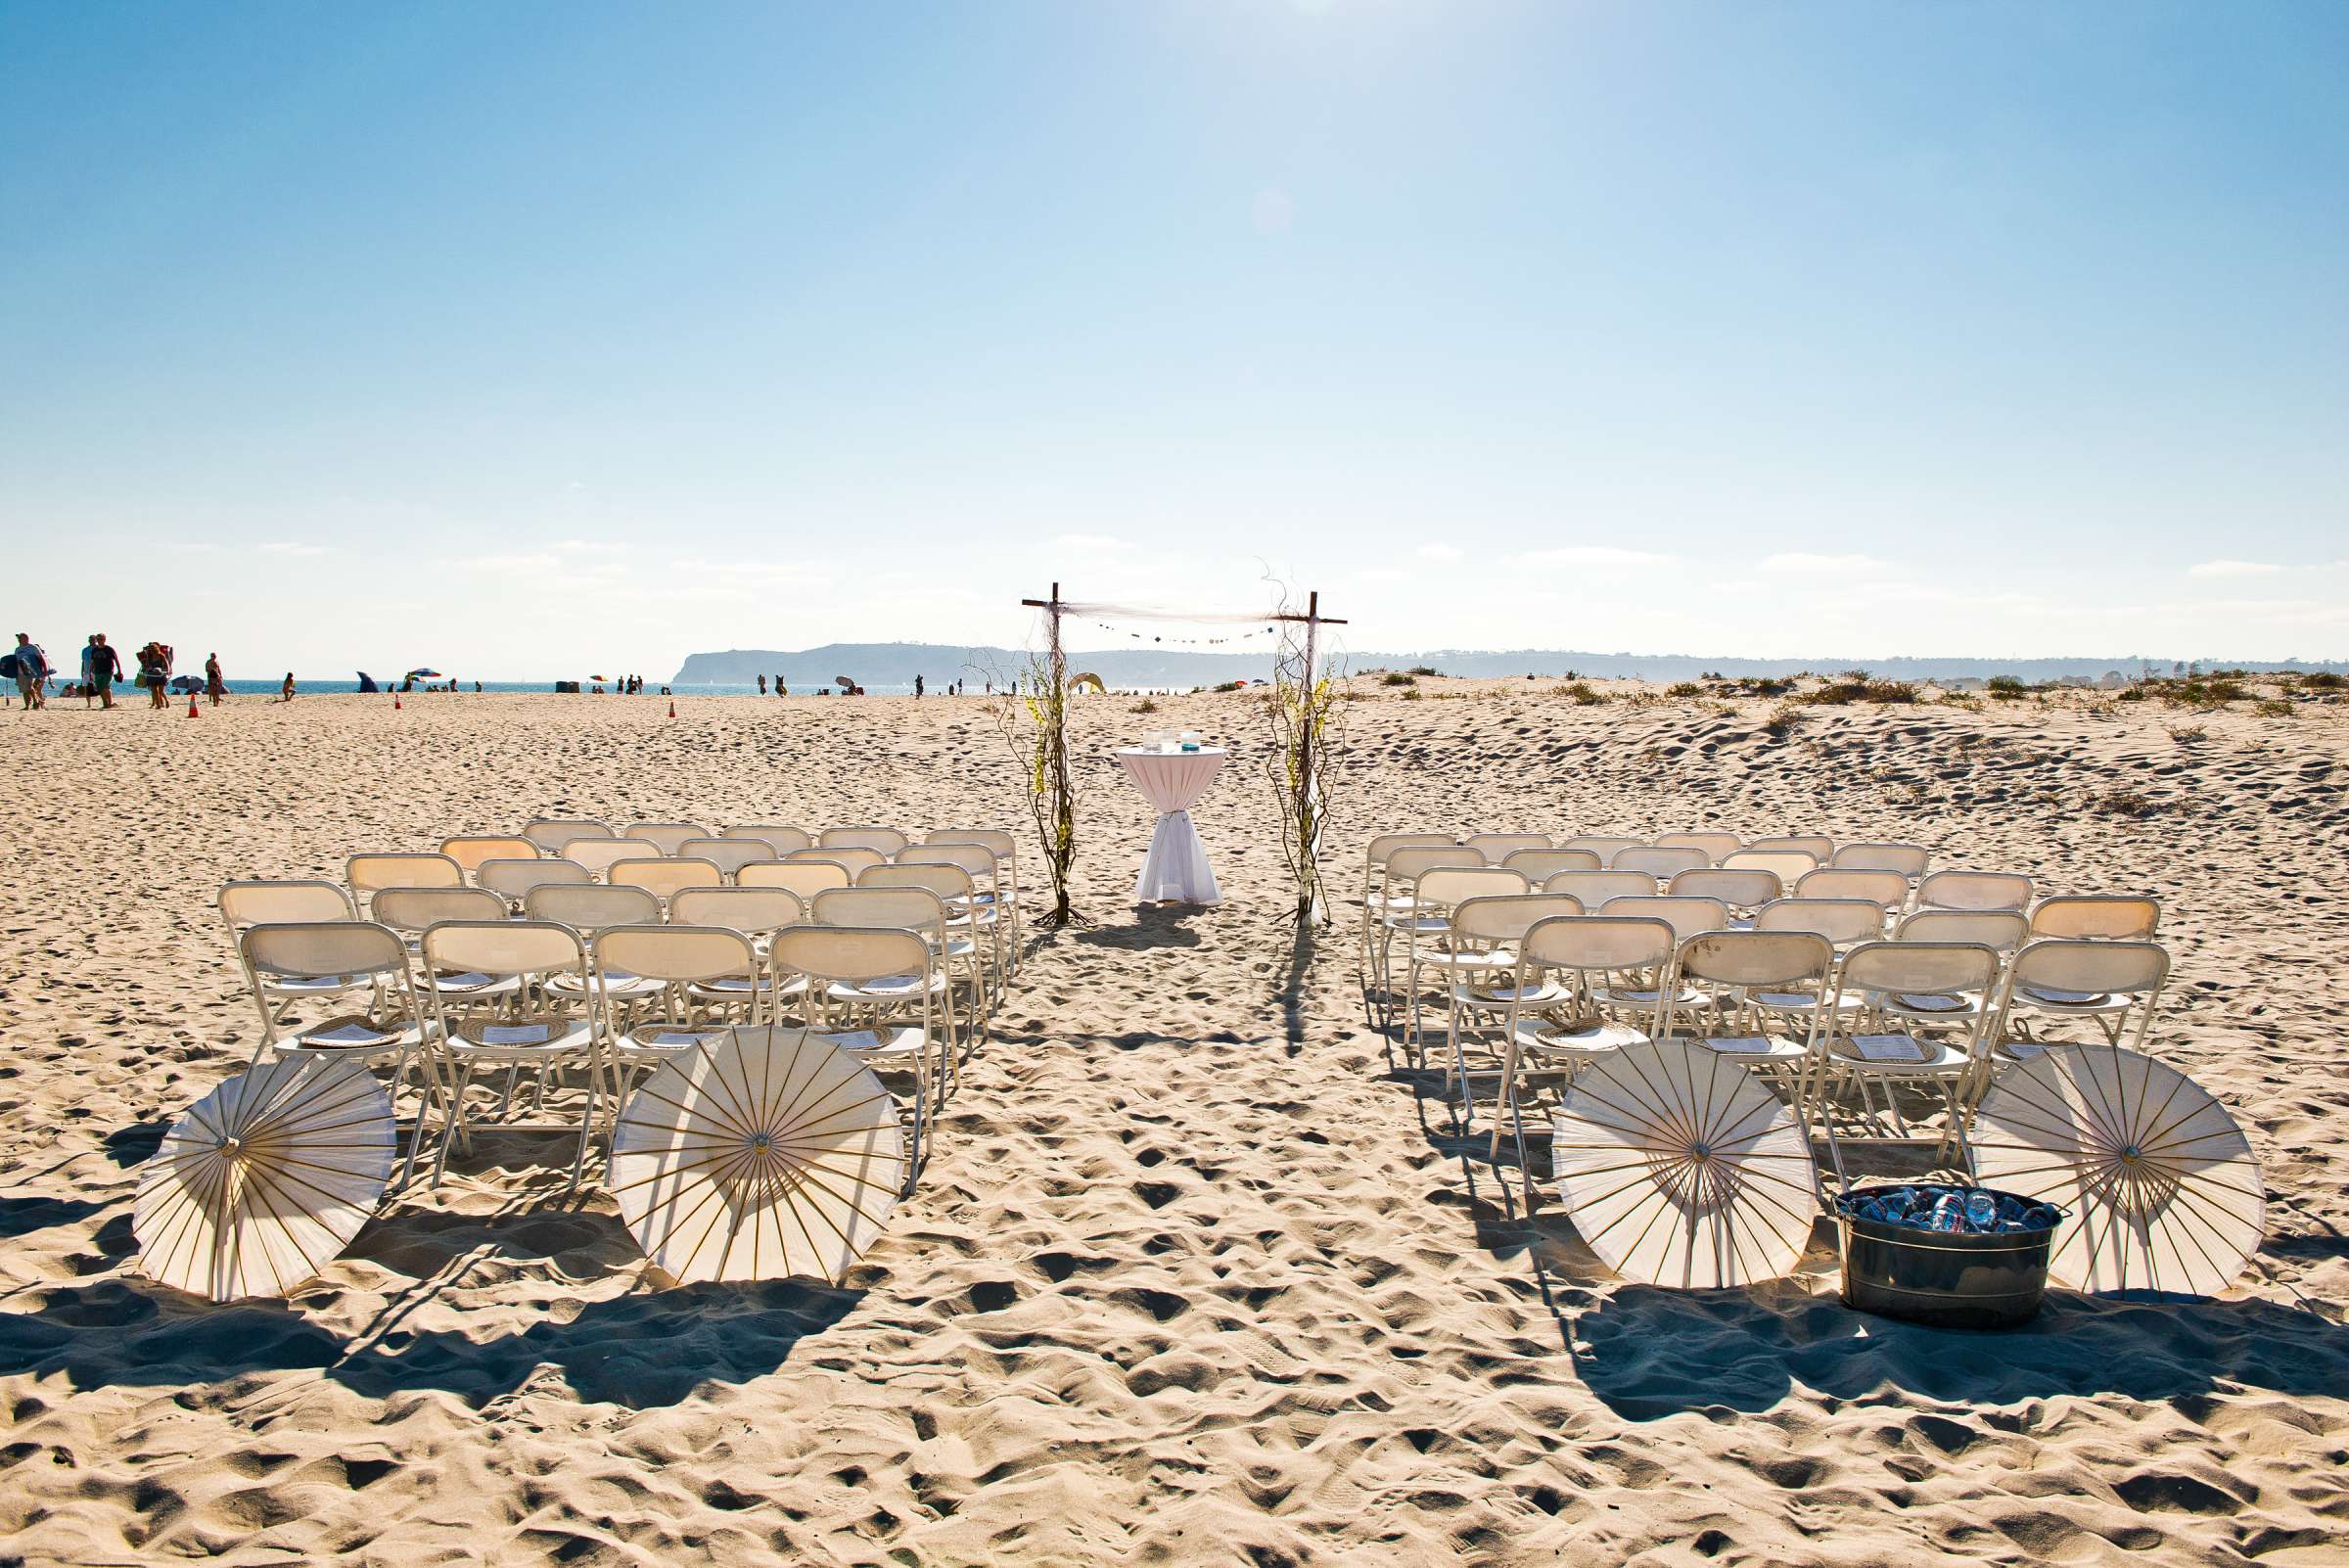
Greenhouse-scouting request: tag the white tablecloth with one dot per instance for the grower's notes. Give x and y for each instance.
(1175, 868)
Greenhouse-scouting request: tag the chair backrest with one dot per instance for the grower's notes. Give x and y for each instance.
(302, 949)
(883, 840)
(2091, 965)
(1509, 916)
(1842, 921)
(669, 835)
(1887, 890)
(511, 879)
(551, 833)
(1909, 860)
(1687, 916)
(1757, 957)
(776, 836)
(503, 948)
(1920, 968)
(1817, 846)
(1716, 846)
(677, 954)
(975, 861)
(1602, 845)
(2110, 916)
(854, 857)
(2002, 931)
(949, 882)
(591, 907)
(757, 910)
(803, 877)
(729, 855)
(1974, 889)
(1387, 844)
(1496, 848)
(264, 903)
(852, 953)
(470, 853)
(1596, 887)
(1787, 865)
(1452, 884)
(600, 855)
(1598, 943)
(899, 908)
(369, 874)
(666, 877)
(1739, 890)
(410, 911)
(1539, 865)
(1660, 861)
(1003, 844)
(1414, 860)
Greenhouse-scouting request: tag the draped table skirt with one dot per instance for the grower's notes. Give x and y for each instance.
(1175, 871)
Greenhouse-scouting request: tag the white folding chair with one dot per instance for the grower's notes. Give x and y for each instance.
(2104, 981)
(470, 853)
(667, 877)
(709, 980)
(600, 855)
(1974, 889)
(1883, 1055)
(369, 874)
(249, 903)
(869, 994)
(2102, 916)
(511, 880)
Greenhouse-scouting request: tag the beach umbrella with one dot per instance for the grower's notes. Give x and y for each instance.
(1680, 1169)
(1088, 678)
(759, 1152)
(2160, 1184)
(426, 674)
(264, 1178)
(844, 683)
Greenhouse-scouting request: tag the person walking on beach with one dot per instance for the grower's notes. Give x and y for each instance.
(762, 685)
(213, 686)
(917, 689)
(101, 667)
(154, 672)
(33, 672)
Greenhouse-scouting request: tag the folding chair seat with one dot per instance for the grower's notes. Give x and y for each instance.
(1874, 1057)
(858, 1001)
(2098, 979)
(294, 958)
(1546, 1033)
(541, 1039)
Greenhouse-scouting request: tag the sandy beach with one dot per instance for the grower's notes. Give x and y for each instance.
(1194, 1277)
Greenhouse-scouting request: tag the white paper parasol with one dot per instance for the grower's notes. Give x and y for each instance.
(1680, 1169)
(266, 1178)
(760, 1152)
(2161, 1186)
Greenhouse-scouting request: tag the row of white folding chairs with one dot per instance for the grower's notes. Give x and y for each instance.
(467, 995)
(1715, 849)
(1834, 1029)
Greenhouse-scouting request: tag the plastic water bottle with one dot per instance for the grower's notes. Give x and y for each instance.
(1948, 1214)
(1981, 1212)
(2012, 1215)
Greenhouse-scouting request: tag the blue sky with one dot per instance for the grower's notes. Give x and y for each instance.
(527, 336)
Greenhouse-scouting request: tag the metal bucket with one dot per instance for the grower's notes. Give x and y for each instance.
(1942, 1278)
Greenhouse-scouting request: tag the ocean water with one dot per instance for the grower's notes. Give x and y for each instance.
(345, 684)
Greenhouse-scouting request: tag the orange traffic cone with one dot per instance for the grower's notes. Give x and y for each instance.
(395, 702)
(192, 712)
(672, 710)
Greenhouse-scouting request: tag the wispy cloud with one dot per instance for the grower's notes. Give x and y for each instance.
(2233, 569)
(1440, 552)
(1594, 555)
(293, 547)
(1797, 563)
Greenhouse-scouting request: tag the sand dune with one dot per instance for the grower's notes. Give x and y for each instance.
(1193, 1278)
